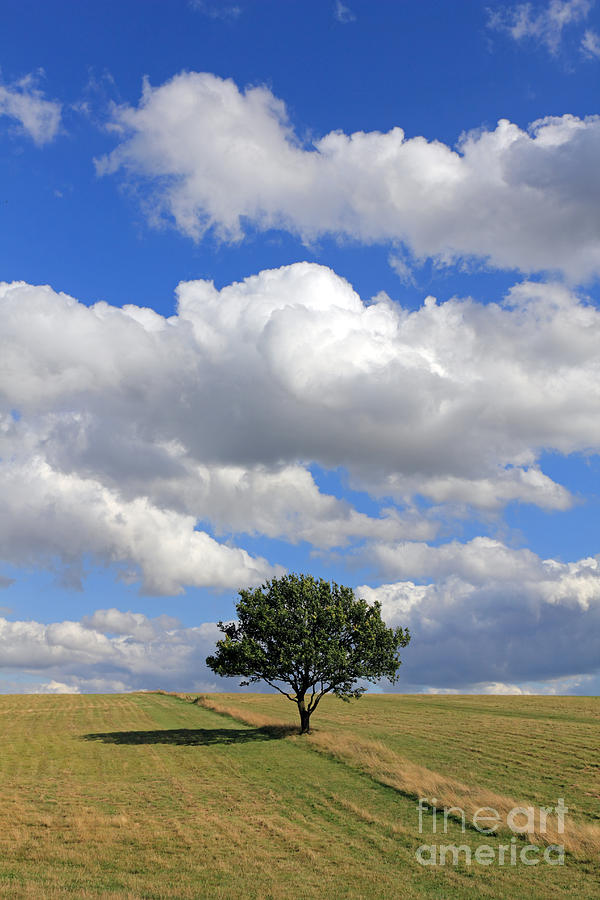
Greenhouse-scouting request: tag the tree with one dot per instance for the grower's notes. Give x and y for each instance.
(311, 636)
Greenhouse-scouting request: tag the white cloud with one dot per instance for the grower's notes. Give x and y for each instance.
(529, 626)
(476, 561)
(136, 430)
(577, 684)
(59, 687)
(497, 687)
(590, 44)
(343, 13)
(402, 268)
(24, 685)
(77, 656)
(544, 25)
(137, 625)
(46, 514)
(494, 619)
(24, 102)
(219, 158)
(529, 485)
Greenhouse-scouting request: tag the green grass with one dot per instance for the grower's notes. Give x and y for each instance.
(534, 748)
(148, 796)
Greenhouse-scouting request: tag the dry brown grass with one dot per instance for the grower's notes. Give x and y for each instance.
(579, 838)
(247, 716)
(539, 748)
(374, 758)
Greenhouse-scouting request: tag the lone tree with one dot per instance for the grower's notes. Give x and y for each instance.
(313, 637)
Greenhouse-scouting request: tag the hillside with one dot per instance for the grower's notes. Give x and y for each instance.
(145, 795)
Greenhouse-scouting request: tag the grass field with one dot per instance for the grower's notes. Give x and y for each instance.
(538, 748)
(147, 795)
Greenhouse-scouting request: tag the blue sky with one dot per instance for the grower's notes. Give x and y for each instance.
(331, 169)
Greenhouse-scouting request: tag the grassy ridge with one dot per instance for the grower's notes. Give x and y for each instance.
(534, 748)
(146, 796)
(378, 760)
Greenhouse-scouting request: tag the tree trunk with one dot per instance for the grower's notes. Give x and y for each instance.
(304, 716)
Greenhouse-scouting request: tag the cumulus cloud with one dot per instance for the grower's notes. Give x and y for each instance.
(137, 435)
(58, 687)
(477, 561)
(544, 25)
(494, 618)
(137, 625)
(508, 623)
(46, 515)
(141, 439)
(91, 656)
(528, 485)
(24, 102)
(25, 685)
(220, 158)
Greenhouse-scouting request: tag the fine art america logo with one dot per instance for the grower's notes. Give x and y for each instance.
(520, 820)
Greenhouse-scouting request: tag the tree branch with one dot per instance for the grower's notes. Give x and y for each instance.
(312, 706)
(272, 684)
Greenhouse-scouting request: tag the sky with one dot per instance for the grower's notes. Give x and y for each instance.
(299, 287)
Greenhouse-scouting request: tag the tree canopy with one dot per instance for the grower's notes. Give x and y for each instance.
(308, 637)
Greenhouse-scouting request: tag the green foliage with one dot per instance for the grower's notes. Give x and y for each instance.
(313, 636)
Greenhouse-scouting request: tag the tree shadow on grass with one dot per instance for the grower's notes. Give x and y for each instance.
(193, 736)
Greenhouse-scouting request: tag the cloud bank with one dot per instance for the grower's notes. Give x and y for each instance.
(495, 620)
(492, 615)
(47, 514)
(144, 440)
(220, 158)
(109, 651)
